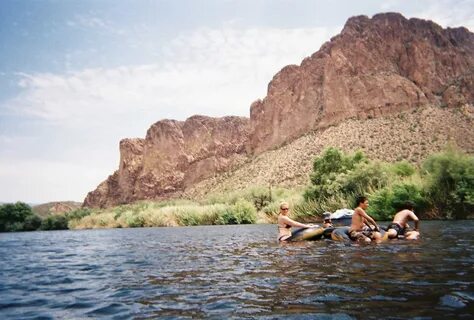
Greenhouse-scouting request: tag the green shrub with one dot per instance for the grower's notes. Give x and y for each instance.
(134, 220)
(365, 178)
(189, 217)
(403, 169)
(242, 212)
(380, 204)
(329, 173)
(78, 214)
(57, 222)
(32, 222)
(384, 203)
(450, 182)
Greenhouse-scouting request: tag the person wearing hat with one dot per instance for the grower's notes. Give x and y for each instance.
(327, 220)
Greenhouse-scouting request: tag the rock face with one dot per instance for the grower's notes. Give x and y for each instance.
(173, 156)
(374, 67)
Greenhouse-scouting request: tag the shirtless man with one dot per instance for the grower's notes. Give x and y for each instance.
(400, 225)
(360, 229)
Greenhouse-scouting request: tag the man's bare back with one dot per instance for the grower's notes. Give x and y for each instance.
(404, 216)
(399, 226)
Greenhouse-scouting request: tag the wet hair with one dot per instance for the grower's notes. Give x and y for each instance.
(360, 199)
(409, 205)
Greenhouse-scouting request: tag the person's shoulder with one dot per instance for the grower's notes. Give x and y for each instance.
(358, 210)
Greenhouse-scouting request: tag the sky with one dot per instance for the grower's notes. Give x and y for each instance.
(77, 76)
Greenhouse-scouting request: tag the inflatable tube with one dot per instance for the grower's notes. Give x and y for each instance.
(327, 232)
(318, 233)
(340, 234)
(307, 234)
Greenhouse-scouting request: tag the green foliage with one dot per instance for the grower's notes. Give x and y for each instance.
(78, 214)
(381, 206)
(403, 169)
(31, 223)
(134, 220)
(190, 217)
(242, 212)
(365, 178)
(385, 202)
(56, 222)
(450, 182)
(17, 217)
(329, 173)
(446, 188)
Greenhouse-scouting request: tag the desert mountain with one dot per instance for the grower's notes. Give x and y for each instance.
(397, 88)
(55, 208)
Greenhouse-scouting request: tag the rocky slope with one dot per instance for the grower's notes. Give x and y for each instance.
(410, 135)
(55, 208)
(349, 94)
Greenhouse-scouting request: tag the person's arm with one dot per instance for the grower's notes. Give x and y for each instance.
(294, 223)
(369, 218)
(416, 220)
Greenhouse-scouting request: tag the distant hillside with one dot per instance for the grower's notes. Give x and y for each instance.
(55, 208)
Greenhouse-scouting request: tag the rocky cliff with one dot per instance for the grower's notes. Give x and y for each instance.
(173, 156)
(375, 68)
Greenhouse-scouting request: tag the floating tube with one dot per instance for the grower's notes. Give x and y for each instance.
(318, 233)
(307, 234)
(340, 234)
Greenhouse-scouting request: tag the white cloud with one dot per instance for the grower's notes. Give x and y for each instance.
(448, 13)
(213, 72)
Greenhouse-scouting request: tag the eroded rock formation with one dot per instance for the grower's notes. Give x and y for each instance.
(374, 67)
(173, 156)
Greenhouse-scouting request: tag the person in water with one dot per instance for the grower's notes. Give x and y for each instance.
(400, 226)
(363, 227)
(327, 220)
(285, 223)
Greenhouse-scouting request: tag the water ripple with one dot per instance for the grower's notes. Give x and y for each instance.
(233, 272)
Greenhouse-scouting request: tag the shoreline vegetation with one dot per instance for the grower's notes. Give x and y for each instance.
(442, 187)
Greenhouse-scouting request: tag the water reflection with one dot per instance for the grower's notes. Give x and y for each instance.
(234, 272)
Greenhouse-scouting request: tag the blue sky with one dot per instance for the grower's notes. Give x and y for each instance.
(76, 77)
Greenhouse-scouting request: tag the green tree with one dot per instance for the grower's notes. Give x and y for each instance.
(57, 222)
(13, 216)
(450, 182)
(329, 173)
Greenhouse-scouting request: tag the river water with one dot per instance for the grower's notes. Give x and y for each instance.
(241, 272)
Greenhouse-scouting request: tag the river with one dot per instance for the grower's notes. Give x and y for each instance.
(240, 272)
